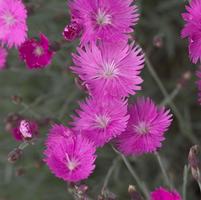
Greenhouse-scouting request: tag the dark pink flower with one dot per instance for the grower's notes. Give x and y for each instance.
(72, 31)
(70, 158)
(164, 194)
(145, 129)
(25, 130)
(3, 55)
(13, 27)
(110, 70)
(192, 29)
(36, 53)
(101, 120)
(105, 20)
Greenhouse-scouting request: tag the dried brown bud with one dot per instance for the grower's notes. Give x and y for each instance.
(16, 99)
(194, 160)
(20, 172)
(14, 155)
(133, 193)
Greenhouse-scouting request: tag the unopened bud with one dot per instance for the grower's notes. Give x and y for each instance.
(16, 99)
(158, 41)
(186, 76)
(20, 172)
(14, 155)
(133, 193)
(194, 160)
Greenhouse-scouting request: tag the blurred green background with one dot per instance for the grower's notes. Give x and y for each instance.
(52, 93)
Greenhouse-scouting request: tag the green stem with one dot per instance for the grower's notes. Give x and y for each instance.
(185, 179)
(181, 121)
(166, 178)
(109, 173)
(140, 184)
(23, 145)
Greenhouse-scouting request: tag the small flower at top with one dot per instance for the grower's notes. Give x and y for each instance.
(145, 129)
(164, 194)
(3, 55)
(192, 29)
(72, 31)
(25, 130)
(69, 156)
(36, 53)
(13, 27)
(109, 21)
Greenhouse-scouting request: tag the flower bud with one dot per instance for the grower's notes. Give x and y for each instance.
(133, 193)
(14, 155)
(194, 161)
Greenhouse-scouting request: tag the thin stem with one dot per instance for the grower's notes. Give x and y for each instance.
(185, 179)
(30, 110)
(171, 97)
(109, 173)
(140, 184)
(181, 121)
(23, 145)
(166, 178)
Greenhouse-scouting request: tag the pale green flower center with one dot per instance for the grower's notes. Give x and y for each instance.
(103, 18)
(9, 19)
(102, 121)
(142, 128)
(38, 51)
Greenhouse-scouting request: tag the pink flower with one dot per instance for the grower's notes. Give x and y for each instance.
(101, 120)
(110, 69)
(36, 54)
(163, 194)
(72, 31)
(192, 29)
(3, 55)
(105, 20)
(146, 128)
(13, 28)
(70, 158)
(199, 85)
(25, 130)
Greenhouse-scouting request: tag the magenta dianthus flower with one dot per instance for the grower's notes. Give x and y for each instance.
(163, 194)
(105, 20)
(3, 55)
(101, 120)
(25, 130)
(110, 70)
(36, 54)
(71, 158)
(145, 129)
(192, 29)
(13, 27)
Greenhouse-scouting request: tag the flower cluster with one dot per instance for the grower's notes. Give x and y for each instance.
(192, 31)
(109, 67)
